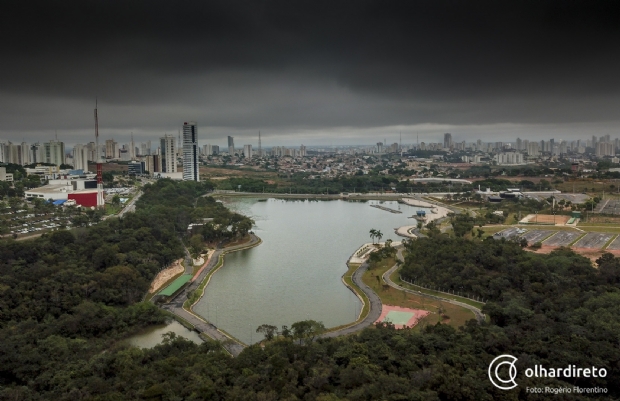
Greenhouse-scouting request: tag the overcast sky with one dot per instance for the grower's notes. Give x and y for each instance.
(310, 72)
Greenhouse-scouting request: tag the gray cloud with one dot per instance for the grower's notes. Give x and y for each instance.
(308, 68)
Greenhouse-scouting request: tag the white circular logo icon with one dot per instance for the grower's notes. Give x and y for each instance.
(501, 382)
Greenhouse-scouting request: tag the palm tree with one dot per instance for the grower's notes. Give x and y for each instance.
(373, 234)
(379, 235)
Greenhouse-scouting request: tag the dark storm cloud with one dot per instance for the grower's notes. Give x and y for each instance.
(303, 65)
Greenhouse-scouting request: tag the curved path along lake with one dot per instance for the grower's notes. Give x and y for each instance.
(295, 274)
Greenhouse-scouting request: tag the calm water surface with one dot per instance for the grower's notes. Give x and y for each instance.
(153, 335)
(295, 274)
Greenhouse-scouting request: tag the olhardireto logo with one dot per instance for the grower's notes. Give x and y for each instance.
(503, 373)
(503, 383)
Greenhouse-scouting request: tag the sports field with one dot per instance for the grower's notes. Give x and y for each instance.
(545, 219)
(401, 317)
(176, 285)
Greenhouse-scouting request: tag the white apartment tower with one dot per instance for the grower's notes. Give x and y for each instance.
(168, 154)
(80, 157)
(247, 151)
(54, 152)
(190, 152)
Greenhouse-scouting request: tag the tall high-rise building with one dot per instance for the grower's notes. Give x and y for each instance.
(13, 154)
(54, 152)
(231, 145)
(111, 151)
(168, 154)
(247, 151)
(447, 140)
(216, 149)
(605, 149)
(37, 154)
(519, 144)
(191, 160)
(25, 154)
(207, 150)
(80, 157)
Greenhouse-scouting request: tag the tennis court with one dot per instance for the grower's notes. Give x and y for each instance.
(401, 317)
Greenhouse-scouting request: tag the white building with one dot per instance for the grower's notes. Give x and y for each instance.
(25, 154)
(4, 176)
(191, 160)
(247, 151)
(80, 157)
(168, 155)
(54, 152)
(605, 149)
(509, 158)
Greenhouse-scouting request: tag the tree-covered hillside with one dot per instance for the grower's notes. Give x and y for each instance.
(67, 298)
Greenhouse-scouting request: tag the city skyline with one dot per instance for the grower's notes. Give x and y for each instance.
(316, 73)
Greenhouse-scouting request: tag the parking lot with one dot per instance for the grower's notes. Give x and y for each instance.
(593, 240)
(615, 245)
(535, 236)
(573, 198)
(509, 233)
(563, 238)
(609, 206)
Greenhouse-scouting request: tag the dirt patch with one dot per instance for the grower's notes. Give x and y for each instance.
(165, 275)
(589, 253)
(546, 218)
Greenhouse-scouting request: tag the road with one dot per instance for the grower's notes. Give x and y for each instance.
(386, 278)
(131, 206)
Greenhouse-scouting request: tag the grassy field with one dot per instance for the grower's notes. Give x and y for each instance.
(396, 278)
(457, 316)
(587, 186)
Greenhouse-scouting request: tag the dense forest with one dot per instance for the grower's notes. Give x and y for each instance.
(68, 298)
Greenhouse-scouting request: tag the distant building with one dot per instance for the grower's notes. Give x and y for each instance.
(191, 161)
(247, 151)
(37, 153)
(80, 157)
(168, 155)
(509, 158)
(216, 149)
(136, 168)
(54, 152)
(110, 149)
(605, 149)
(4, 176)
(231, 145)
(447, 141)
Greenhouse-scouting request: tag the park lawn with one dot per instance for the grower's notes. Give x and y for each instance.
(588, 186)
(391, 296)
(601, 228)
